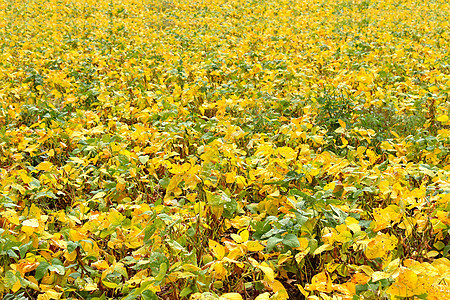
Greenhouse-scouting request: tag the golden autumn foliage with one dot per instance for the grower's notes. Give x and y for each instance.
(224, 149)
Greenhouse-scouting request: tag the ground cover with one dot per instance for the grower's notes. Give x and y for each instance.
(224, 149)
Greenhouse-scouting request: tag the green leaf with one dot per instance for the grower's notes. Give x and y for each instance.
(164, 182)
(230, 208)
(272, 242)
(24, 248)
(56, 261)
(34, 184)
(10, 278)
(186, 291)
(220, 199)
(57, 266)
(12, 254)
(41, 270)
(133, 295)
(291, 240)
(124, 161)
(157, 260)
(149, 295)
(71, 246)
(121, 271)
(58, 269)
(162, 272)
(446, 250)
(102, 297)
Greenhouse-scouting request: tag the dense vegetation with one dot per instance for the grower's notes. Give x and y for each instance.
(224, 149)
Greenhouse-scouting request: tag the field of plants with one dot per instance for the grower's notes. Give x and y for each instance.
(224, 149)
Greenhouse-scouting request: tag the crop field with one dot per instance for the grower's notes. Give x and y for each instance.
(224, 149)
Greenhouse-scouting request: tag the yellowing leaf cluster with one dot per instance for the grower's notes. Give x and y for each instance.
(224, 149)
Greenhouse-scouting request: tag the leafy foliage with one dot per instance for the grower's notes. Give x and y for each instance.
(224, 149)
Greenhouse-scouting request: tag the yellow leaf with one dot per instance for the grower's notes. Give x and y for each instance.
(267, 271)
(98, 195)
(433, 89)
(321, 282)
(18, 187)
(231, 296)
(384, 186)
(29, 226)
(366, 269)
(97, 130)
(191, 181)
(380, 246)
(372, 156)
(25, 266)
(70, 256)
(385, 216)
(263, 296)
(235, 253)
(90, 287)
(138, 277)
(121, 184)
(244, 234)
(42, 297)
(237, 238)
(101, 264)
(385, 145)
(395, 134)
(344, 237)
(241, 182)
(317, 139)
(324, 247)
(219, 271)
(299, 256)
(174, 182)
(392, 266)
(16, 286)
(217, 249)
(284, 257)
(111, 285)
(360, 150)
(44, 166)
(277, 287)
(302, 290)
(11, 216)
(115, 217)
(405, 284)
(287, 153)
(52, 294)
(196, 296)
(380, 275)
(76, 235)
(304, 243)
(342, 123)
(353, 224)
(25, 178)
(314, 172)
(77, 160)
(361, 278)
(432, 253)
(442, 118)
(254, 246)
(191, 268)
(329, 186)
(230, 177)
